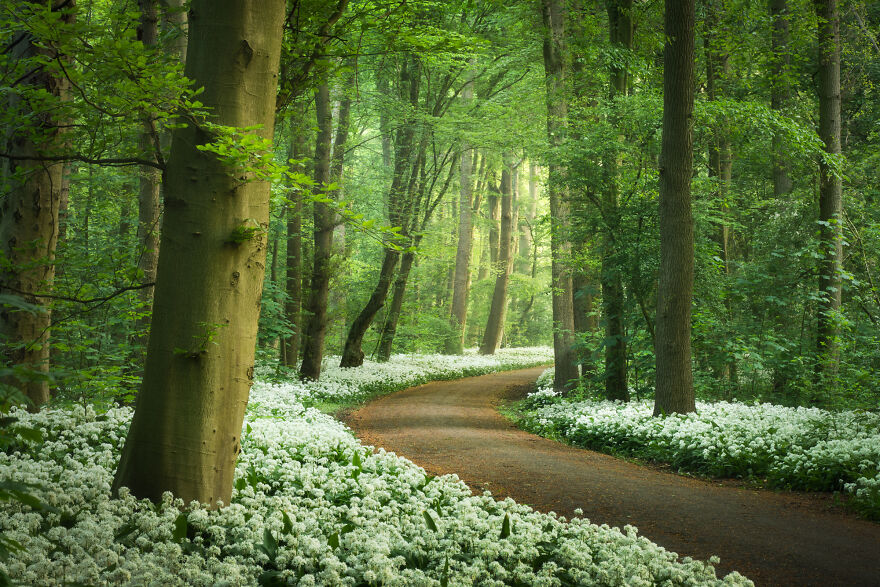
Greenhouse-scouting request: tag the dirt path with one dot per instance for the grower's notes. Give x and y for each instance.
(773, 538)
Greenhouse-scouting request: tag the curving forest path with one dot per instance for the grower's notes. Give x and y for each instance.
(774, 538)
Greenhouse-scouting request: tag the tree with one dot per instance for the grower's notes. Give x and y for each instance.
(830, 192)
(185, 434)
(675, 383)
(498, 309)
(565, 370)
(324, 221)
(29, 211)
(462, 272)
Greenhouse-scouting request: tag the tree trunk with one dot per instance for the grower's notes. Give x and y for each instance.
(566, 370)
(720, 158)
(352, 355)
(675, 382)
(525, 235)
(498, 310)
(293, 282)
(830, 193)
(185, 435)
(319, 290)
(613, 307)
(389, 329)
(150, 183)
(780, 90)
(29, 216)
(175, 22)
(454, 344)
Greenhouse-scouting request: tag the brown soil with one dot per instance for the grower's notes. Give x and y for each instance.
(774, 538)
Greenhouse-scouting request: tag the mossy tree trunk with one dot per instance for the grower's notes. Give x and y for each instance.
(186, 433)
(29, 212)
(830, 194)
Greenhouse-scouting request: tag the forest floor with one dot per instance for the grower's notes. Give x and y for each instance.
(772, 537)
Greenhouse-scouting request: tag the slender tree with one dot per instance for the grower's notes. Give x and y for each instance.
(185, 434)
(554, 52)
(675, 382)
(498, 309)
(620, 28)
(324, 221)
(830, 192)
(405, 167)
(293, 270)
(454, 344)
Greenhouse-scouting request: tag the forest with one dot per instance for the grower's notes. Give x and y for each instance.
(232, 231)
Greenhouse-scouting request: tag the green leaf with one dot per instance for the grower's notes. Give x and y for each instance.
(181, 524)
(429, 520)
(505, 527)
(288, 524)
(333, 540)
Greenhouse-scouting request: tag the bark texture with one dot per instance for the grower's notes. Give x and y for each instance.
(319, 290)
(620, 30)
(293, 270)
(498, 308)
(29, 216)
(149, 186)
(553, 14)
(675, 382)
(185, 435)
(830, 191)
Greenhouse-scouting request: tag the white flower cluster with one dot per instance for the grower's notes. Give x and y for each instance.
(311, 507)
(401, 371)
(801, 448)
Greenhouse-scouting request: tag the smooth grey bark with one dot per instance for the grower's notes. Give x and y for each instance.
(830, 194)
(149, 187)
(185, 434)
(675, 381)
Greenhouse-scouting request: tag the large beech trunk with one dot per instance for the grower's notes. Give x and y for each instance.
(830, 193)
(498, 309)
(389, 328)
(319, 290)
(675, 381)
(185, 435)
(566, 370)
(29, 221)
